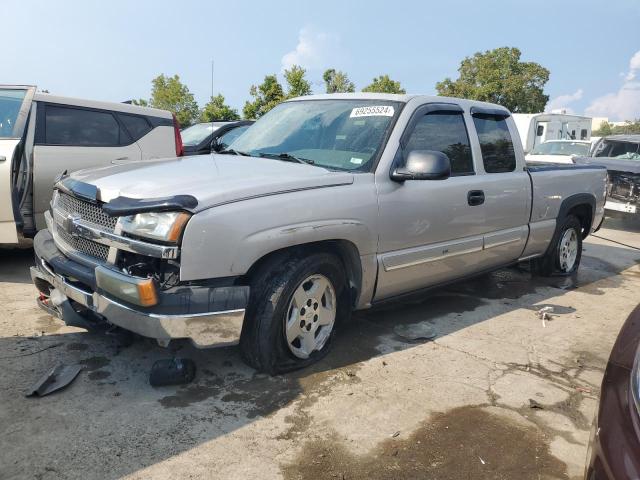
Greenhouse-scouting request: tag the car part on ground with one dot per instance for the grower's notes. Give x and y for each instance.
(55, 379)
(173, 371)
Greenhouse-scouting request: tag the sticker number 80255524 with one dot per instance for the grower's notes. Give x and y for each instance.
(372, 111)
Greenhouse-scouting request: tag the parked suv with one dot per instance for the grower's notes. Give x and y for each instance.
(43, 135)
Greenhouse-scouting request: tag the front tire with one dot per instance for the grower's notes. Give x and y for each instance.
(564, 254)
(294, 307)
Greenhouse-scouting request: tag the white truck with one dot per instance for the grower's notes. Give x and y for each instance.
(536, 128)
(43, 135)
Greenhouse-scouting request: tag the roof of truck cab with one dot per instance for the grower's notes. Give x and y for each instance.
(118, 107)
(397, 98)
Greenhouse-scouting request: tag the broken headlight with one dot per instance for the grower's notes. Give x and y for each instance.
(161, 226)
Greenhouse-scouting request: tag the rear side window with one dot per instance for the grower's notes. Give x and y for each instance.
(444, 132)
(137, 127)
(496, 145)
(78, 127)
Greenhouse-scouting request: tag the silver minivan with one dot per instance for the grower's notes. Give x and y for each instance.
(43, 135)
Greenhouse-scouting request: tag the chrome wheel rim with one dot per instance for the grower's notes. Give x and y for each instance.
(568, 250)
(310, 316)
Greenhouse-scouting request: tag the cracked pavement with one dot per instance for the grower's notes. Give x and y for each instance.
(497, 394)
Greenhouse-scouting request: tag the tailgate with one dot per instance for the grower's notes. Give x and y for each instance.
(15, 102)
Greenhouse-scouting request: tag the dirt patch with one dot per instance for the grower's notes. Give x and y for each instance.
(48, 324)
(99, 375)
(95, 363)
(466, 442)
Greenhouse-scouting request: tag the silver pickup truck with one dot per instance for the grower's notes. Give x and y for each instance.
(326, 205)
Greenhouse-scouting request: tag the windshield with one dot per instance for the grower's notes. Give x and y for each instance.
(336, 134)
(10, 103)
(562, 148)
(195, 134)
(618, 149)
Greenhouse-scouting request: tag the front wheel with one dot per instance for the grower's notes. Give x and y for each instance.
(293, 311)
(565, 252)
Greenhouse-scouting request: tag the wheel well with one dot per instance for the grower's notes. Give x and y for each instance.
(343, 249)
(585, 215)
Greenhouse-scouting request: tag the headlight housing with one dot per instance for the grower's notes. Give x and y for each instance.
(161, 226)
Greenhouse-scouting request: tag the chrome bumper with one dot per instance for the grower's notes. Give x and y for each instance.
(208, 329)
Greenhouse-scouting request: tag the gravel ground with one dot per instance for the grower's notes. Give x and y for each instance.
(385, 403)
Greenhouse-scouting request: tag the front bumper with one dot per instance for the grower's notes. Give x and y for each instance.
(619, 206)
(208, 316)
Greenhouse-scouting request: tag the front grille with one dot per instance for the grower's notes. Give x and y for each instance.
(92, 213)
(89, 212)
(82, 245)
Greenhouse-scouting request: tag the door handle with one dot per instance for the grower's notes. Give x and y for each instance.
(475, 197)
(122, 158)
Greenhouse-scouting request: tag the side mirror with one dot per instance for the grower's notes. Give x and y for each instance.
(216, 146)
(423, 165)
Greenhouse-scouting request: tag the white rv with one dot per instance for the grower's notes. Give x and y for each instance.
(536, 128)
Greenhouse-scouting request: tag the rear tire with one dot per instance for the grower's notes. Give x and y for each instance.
(281, 331)
(565, 252)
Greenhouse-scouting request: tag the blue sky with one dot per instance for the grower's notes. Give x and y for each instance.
(110, 50)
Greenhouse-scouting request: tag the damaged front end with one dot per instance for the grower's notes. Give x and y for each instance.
(117, 264)
(623, 191)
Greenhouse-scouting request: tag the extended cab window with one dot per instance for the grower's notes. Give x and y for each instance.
(496, 145)
(444, 132)
(78, 127)
(137, 127)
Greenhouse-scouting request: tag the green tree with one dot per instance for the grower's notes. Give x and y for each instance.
(629, 128)
(140, 102)
(265, 96)
(169, 93)
(498, 76)
(216, 109)
(297, 84)
(383, 84)
(337, 82)
(604, 130)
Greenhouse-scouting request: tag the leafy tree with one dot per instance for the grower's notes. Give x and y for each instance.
(604, 130)
(629, 128)
(383, 84)
(169, 93)
(297, 85)
(140, 102)
(265, 96)
(498, 76)
(216, 109)
(337, 82)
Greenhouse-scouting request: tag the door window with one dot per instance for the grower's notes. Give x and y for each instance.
(444, 132)
(496, 145)
(10, 104)
(79, 127)
(137, 127)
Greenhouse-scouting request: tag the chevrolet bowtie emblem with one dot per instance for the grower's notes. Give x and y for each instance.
(68, 224)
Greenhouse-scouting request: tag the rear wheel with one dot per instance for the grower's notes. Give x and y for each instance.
(293, 310)
(565, 252)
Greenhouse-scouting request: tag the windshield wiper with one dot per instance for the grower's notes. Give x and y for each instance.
(287, 157)
(231, 151)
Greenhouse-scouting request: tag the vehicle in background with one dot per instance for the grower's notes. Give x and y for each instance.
(620, 154)
(43, 135)
(536, 128)
(204, 138)
(614, 447)
(327, 204)
(559, 151)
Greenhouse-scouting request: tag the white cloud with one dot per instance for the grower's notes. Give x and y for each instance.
(562, 101)
(623, 104)
(315, 50)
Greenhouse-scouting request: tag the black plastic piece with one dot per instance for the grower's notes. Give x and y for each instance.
(79, 189)
(122, 206)
(475, 197)
(175, 371)
(58, 377)
(490, 111)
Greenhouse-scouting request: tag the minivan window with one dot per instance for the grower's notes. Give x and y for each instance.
(10, 103)
(496, 145)
(78, 127)
(444, 132)
(137, 127)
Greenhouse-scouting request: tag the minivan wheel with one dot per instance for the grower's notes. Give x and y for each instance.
(563, 258)
(293, 310)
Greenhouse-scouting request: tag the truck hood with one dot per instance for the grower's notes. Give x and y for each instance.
(612, 164)
(211, 179)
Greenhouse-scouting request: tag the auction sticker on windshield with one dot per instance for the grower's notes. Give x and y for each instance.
(372, 111)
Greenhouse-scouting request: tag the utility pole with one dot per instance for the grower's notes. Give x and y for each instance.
(212, 63)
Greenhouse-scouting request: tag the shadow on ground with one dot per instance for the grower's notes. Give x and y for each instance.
(116, 414)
